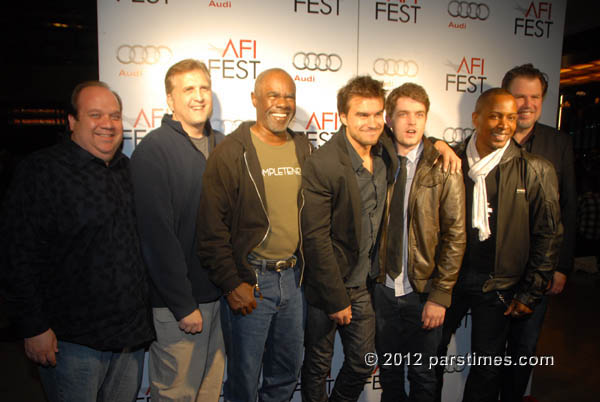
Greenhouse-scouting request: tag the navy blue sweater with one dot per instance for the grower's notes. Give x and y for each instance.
(167, 174)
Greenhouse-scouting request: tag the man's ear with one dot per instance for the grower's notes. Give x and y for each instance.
(72, 122)
(344, 119)
(170, 102)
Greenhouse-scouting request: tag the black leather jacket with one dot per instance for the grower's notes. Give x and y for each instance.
(529, 231)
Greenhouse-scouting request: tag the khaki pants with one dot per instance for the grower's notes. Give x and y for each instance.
(185, 367)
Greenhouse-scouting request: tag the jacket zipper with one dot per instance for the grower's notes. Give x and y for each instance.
(266, 214)
(300, 234)
(300, 226)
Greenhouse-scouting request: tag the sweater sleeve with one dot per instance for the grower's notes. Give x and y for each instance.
(161, 249)
(27, 230)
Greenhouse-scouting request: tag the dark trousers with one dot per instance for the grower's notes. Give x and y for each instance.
(489, 332)
(358, 339)
(400, 338)
(522, 341)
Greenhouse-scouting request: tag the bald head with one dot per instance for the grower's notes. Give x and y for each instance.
(486, 97)
(270, 74)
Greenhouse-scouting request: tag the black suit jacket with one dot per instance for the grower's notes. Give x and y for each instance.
(331, 220)
(557, 148)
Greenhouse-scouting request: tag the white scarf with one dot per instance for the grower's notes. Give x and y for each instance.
(478, 170)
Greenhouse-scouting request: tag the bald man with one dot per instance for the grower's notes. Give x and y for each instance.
(249, 239)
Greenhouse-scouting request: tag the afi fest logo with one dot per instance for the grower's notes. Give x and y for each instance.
(469, 76)
(397, 10)
(321, 126)
(238, 60)
(145, 120)
(537, 20)
(323, 7)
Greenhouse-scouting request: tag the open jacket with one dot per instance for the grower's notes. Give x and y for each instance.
(232, 216)
(331, 220)
(557, 147)
(528, 231)
(436, 229)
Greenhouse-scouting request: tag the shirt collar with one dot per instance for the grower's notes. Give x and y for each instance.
(415, 153)
(356, 160)
(528, 139)
(81, 157)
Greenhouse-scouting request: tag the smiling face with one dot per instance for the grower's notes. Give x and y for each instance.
(363, 121)
(528, 94)
(275, 101)
(191, 100)
(495, 123)
(408, 124)
(98, 127)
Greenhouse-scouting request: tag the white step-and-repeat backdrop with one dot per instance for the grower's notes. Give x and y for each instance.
(455, 49)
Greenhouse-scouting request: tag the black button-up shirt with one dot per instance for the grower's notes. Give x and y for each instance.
(72, 256)
(372, 188)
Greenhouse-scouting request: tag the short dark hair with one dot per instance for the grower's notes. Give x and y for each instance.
(74, 107)
(525, 70)
(363, 86)
(184, 66)
(406, 90)
(485, 97)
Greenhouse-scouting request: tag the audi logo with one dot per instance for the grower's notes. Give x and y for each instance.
(317, 61)
(401, 68)
(140, 54)
(458, 134)
(467, 9)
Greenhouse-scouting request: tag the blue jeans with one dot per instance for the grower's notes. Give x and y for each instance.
(400, 333)
(270, 337)
(85, 374)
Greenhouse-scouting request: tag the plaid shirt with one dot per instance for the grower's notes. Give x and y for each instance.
(588, 216)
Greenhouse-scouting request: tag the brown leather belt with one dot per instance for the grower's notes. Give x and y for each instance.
(273, 265)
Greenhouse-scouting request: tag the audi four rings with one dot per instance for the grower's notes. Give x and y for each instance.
(467, 9)
(458, 134)
(140, 54)
(401, 68)
(317, 61)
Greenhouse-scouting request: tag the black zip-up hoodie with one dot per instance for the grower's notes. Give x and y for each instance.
(232, 218)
